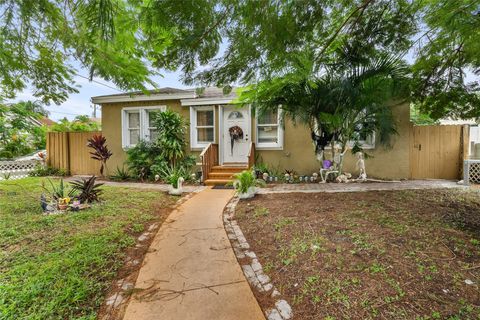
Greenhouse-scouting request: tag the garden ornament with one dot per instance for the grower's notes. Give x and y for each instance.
(236, 133)
(265, 176)
(361, 166)
(157, 177)
(314, 177)
(343, 178)
(179, 189)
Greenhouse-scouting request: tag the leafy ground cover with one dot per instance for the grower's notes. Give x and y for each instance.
(370, 255)
(60, 266)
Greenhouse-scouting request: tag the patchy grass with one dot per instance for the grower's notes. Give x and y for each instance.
(370, 255)
(59, 267)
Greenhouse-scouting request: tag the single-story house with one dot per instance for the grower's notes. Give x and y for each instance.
(211, 114)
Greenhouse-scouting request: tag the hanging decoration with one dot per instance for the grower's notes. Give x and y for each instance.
(236, 133)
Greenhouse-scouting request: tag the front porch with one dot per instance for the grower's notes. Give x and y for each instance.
(214, 173)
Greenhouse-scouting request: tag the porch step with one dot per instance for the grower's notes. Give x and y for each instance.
(217, 182)
(234, 169)
(221, 175)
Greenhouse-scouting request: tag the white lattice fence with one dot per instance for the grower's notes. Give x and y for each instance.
(471, 171)
(17, 169)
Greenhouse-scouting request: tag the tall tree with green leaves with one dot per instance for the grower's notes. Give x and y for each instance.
(342, 105)
(447, 66)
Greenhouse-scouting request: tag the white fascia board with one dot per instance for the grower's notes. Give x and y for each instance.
(205, 101)
(151, 97)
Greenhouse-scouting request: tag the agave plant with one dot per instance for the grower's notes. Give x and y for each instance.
(101, 151)
(89, 190)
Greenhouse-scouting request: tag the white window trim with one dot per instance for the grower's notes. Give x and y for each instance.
(368, 144)
(144, 127)
(193, 127)
(270, 145)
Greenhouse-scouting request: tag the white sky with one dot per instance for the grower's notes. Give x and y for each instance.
(79, 104)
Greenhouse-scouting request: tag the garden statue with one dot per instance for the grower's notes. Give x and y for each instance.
(343, 178)
(314, 177)
(265, 176)
(361, 166)
(179, 189)
(157, 177)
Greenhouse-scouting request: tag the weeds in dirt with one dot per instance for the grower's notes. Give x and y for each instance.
(392, 254)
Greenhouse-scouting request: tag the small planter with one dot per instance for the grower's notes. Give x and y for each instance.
(249, 194)
(62, 206)
(175, 191)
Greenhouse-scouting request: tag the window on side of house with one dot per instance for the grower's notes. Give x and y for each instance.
(269, 133)
(138, 124)
(202, 128)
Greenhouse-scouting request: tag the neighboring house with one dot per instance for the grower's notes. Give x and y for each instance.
(46, 121)
(126, 120)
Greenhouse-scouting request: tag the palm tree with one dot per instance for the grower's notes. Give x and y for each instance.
(341, 103)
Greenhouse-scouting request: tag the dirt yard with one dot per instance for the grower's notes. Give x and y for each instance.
(370, 255)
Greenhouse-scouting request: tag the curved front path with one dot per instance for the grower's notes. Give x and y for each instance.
(190, 270)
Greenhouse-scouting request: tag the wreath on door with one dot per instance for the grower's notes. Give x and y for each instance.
(236, 133)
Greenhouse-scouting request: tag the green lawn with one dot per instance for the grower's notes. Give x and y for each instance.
(59, 267)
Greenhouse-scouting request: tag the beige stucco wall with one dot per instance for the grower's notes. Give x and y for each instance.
(297, 153)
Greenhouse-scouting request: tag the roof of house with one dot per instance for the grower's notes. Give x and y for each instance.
(190, 96)
(46, 121)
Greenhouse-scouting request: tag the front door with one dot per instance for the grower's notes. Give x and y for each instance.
(236, 134)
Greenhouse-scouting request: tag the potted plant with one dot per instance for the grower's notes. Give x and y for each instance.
(63, 203)
(245, 184)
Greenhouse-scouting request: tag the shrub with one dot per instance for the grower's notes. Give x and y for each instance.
(43, 171)
(121, 174)
(171, 135)
(142, 158)
(245, 180)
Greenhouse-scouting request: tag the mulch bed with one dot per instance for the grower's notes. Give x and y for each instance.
(370, 255)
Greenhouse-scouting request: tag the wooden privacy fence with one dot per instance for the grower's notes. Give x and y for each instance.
(69, 151)
(437, 152)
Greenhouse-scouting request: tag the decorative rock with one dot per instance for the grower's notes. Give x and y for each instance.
(284, 309)
(115, 300)
(153, 226)
(469, 282)
(256, 266)
(275, 293)
(268, 287)
(250, 254)
(274, 315)
(263, 278)
(127, 286)
(143, 236)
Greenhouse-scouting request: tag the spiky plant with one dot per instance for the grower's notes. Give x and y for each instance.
(101, 151)
(89, 191)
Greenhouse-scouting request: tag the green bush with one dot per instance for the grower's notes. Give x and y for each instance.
(245, 180)
(43, 171)
(142, 158)
(166, 155)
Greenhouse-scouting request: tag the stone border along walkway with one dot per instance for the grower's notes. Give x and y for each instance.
(117, 302)
(253, 271)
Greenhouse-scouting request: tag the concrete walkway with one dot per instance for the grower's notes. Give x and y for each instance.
(359, 187)
(190, 271)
